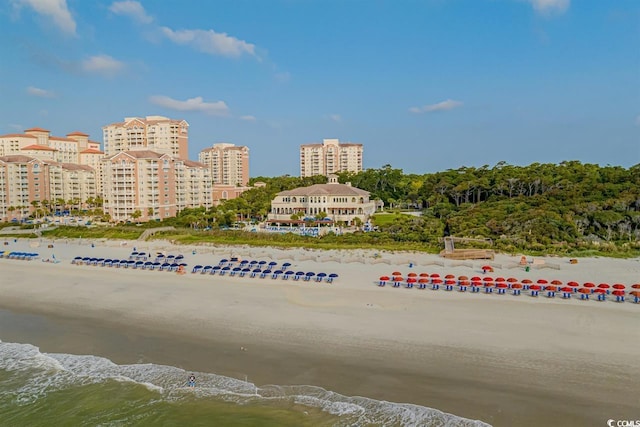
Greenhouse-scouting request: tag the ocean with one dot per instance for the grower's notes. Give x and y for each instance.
(45, 389)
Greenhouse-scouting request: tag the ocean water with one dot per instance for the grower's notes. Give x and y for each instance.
(45, 389)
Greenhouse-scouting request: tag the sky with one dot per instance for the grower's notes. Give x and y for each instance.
(424, 85)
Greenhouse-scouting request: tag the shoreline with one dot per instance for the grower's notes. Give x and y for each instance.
(516, 361)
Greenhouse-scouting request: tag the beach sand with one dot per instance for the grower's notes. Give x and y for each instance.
(506, 360)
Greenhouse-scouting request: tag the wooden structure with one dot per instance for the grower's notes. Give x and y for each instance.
(451, 252)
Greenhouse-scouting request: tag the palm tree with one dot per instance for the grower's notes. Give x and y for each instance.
(36, 205)
(136, 215)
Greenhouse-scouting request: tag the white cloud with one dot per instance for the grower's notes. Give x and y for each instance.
(335, 117)
(42, 93)
(210, 42)
(218, 108)
(549, 7)
(447, 105)
(283, 76)
(133, 9)
(57, 10)
(248, 118)
(102, 64)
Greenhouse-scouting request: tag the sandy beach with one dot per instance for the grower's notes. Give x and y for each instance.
(503, 359)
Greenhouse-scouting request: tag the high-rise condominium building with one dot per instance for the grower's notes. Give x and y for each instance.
(152, 133)
(27, 183)
(145, 185)
(330, 157)
(227, 163)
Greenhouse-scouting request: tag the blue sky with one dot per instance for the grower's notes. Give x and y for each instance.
(425, 85)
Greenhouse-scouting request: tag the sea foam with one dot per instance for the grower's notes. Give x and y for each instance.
(56, 371)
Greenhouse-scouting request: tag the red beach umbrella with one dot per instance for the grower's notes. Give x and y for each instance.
(396, 273)
(584, 291)
(566, 289)
(464, 283)
(466, 278)
(449, 276)
(636, 286)
(618, 286)
(500, 279)
(398, 278)
(487, 267)
(436, 281)
(435, 275)
(423, 280)
(412, 280)
(502, 285)
(599, 291)
(618, 293)
(556, 282)
(488, 284)
(512, 280)
(573, 284)
(412, 274)
(603, 286)
(527, 281)
(534, 287)
(449, 282)
(424, 274)
(476, 279)
(551, 288)
(635, 293)
(488, 279)
(384, 278)
(589, 285)
(541, 282)
(476, 283)
(516, 286)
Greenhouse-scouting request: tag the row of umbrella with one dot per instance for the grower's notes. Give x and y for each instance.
(263, 273)
(128, 263)
(501, 285)
(27, 256)
(244, 263)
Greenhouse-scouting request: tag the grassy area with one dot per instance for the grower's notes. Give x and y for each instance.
(290, 240)
(372, 240)
(386, 218)
(121, 232)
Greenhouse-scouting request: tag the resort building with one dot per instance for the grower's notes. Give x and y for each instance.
(228, 164)
(27, 183)
(39, 143)
(339, 203)
(152, 133)
(143, 185)
(331, 156)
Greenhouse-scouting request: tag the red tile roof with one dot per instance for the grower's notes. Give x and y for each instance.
(36, 130)
(38, 147)
(17, 135)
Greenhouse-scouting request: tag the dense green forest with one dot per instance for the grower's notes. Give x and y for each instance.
(564, 207)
